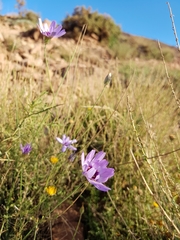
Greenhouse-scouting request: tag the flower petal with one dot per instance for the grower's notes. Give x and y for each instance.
(52, 27)
(99, 156)
(73, 141)
(64, 137)
(46, 28)
(67, 140)
(63, 149)
(41, 28)
(90, 173)
(61, 33)
(100, 186)
(90, 156)
(58, 29)
(105, 174)
(100, 164)
(59, 140)
(72, 148)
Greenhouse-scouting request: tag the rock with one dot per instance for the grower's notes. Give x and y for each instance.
(35, 49)
(2, 57)
(30, 61)
(95, 37)
(1, 37)
(33, 33)
(17, 57)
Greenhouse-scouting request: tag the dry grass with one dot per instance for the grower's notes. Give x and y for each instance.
(135, 121)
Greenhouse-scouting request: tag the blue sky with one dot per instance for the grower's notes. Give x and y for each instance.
(147, 18)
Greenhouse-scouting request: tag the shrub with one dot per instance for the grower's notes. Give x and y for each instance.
(32, 16)
(99, 25)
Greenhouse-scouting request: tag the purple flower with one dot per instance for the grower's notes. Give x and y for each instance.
(52, 31)
(26, 148)
(95, 169)
(66, 143)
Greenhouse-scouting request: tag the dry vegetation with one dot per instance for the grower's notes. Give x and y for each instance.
(135, 120)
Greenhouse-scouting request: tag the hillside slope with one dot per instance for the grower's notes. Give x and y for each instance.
(22, 50)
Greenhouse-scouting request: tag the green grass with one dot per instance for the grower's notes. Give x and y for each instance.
(135, 121)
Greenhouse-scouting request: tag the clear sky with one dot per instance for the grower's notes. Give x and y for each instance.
(147, 18)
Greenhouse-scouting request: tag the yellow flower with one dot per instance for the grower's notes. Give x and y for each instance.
(155, 204)
(51, 190)
(54, 159)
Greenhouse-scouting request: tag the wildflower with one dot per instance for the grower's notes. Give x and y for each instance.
(95, 169)
(52, 31)
(51, 190)
(67, 143)
(155, 204)
(26, 148)
(54, 159)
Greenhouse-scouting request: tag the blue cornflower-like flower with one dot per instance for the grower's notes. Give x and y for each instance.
(66, 143)
(26, 148)
(95, 169)
(53, 31)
